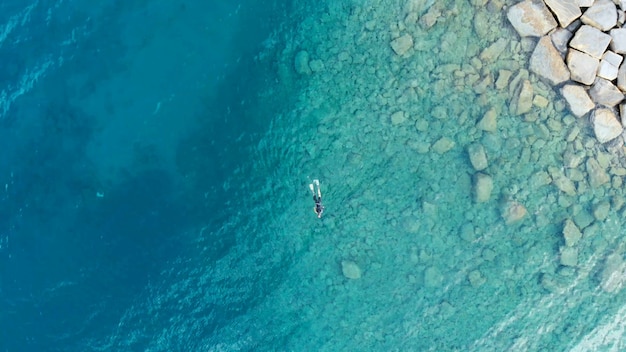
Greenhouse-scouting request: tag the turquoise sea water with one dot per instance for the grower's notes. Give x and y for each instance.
(156, 162)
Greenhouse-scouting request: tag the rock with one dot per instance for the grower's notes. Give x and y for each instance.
(540, 102)
(350, 269)
(301, 63)
(566, 11)
(618, 43)
(483, 185)
(398, 117)
(569, 256)
(432, 277)
(531, 18)
(613, 274)
(565, 185)
(546, 62)
(590, 40)
(402, 44)
(560, 38)
(316, 65)
(601, 210)
(602, 15)
(476, 278)
(605, 125)
(477, 156)
(444, 144)
(597, 175)
(553, 284)
(524, 101)
(603, 92)
(467, 232)
(621, 77)
(584, 3)
(430, 18)
(571, 233)
(492, 52)
(512, 212)
(489, 121)
(578, 99)
(583, 67)
(503, 79)
(609, 65)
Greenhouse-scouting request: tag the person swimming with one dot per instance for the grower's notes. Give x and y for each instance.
(317, 198)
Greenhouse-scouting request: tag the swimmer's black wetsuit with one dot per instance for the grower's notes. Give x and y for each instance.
(319, 208)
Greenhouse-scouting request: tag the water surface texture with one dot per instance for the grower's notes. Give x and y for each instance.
(155, 164)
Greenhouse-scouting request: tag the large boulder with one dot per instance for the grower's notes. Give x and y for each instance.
(531, 18)
(590, 40)
(582, 66)
(605, 125)
(618, 42)
(546, 62)
(602, 15)
(566, 11)
(603, 92)
(578, 99)
(609, 65)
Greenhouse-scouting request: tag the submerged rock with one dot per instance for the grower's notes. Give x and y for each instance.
(569, 256)
(513, 212)
(350, 269)
(613, 274)
(477, 156)
(402, 44)
(483, 186)
(571, 233)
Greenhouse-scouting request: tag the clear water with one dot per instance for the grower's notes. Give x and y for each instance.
(156, 161)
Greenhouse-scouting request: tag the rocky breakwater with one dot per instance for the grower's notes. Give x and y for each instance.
(580, 50)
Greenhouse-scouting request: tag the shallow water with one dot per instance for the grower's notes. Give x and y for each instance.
(157, 157)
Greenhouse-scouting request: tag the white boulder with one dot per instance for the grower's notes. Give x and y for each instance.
(605, 125)
(582, 66)
(578, 99)
(590, 40)
(603, 92)
(609, 65)
(621, 77)
(531, 18)
(566, 11)
(618, 42)
(546, 62)
(602, 15)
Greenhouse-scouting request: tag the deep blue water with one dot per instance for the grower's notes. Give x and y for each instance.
(120, 121)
